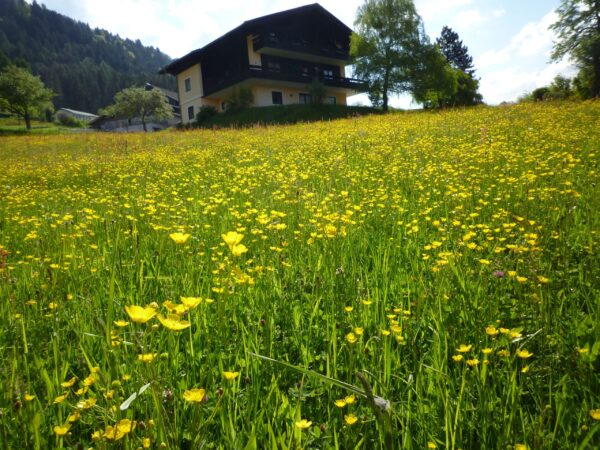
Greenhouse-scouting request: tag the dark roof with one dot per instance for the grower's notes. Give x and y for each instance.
(247, 27)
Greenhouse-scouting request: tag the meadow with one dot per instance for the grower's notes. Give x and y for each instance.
(414, 280)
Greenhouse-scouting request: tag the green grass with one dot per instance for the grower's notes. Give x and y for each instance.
(14, 127)
(449, 257)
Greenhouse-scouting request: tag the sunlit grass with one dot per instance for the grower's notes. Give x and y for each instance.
(450, 258)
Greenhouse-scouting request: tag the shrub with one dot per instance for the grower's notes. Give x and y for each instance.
(69, 121)
(317, 92)
(241, 98)
(205, 113)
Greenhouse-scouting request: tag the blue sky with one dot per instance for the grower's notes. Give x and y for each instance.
(508, 39)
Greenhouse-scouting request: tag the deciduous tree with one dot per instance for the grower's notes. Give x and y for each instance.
(23, 94)
(387, 46)
(140, 102)
(578, 30)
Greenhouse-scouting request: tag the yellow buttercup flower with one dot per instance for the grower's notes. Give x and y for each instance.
(179, 238)
(194, 395)
(595, 414)
(340, 403)
(61, 398)
(239, 250)
(232, 238)
(86, 404)
(121, 429)
(29, 397)
(173, 322)
(69, 383)
(140, 314)
(191, 302)
(351, 338)
(125, 425)
(61, 430)
(350, 399)
(464, 348)
(146, 357)
(121, 323)
(350, 419)
(303, 424)
(491, 331)
(230, 376)
(524, 354)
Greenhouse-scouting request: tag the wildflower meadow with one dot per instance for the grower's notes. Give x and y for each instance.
(409, 281)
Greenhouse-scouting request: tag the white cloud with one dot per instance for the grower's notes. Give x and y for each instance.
(430, 9)
(508, 84)
(469, 19)
(535, 38)
(497, 13)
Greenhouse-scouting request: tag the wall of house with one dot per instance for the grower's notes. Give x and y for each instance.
(194, 96)
(263, 95)
(253, 57)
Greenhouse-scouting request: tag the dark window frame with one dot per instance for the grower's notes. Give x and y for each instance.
(304, 98)
(277, 97)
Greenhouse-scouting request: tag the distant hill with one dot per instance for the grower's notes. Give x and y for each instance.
(85, 66)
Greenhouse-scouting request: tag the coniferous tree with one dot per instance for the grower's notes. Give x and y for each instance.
(455, 51)
(457, 55)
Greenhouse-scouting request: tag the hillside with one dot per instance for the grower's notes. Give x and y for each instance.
(85, 66)
(450, 257)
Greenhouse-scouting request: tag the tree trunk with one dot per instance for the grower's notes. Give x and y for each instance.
(386, 82)
(144, 122)
(27, 121)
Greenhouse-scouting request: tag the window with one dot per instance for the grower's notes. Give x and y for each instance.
(223, 106)
(331, 100)
(188, 84)
(304, 99)
(277, 97)
(274, 66)
(328, 73)
(191, 113)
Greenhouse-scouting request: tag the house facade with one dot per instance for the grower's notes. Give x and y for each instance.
(277, 57)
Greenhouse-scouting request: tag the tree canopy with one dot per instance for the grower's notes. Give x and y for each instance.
(139, 102)
(23, 94)
(387, 47)
(455, 51)
(578, 36)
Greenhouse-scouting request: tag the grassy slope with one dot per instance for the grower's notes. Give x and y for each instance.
(451, 256)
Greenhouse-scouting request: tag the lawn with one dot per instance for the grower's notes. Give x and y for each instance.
(409, 280)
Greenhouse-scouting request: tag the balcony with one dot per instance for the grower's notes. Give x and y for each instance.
(212, 85)
(273, 44)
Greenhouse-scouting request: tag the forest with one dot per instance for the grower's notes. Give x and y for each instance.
(84, 66)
